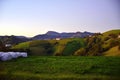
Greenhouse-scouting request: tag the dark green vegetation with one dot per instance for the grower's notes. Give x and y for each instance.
(96, 45)
(61, 68)
(72, 46)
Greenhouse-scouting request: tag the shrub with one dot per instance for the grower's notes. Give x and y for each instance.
(71, 47)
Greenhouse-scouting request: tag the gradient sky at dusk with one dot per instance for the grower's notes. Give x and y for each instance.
(32, 17)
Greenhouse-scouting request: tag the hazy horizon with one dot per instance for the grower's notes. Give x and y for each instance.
(32, 17)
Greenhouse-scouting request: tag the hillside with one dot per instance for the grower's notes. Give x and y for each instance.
(13, 39)
(95, 45)
(24, 45)
(117, 31)
(68, 46)
(111, 42)
(107, 33)
(51, 47)
(114, 51)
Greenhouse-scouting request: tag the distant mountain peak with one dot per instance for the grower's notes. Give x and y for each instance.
(52, 33)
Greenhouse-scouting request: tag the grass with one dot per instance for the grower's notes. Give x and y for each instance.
(117, 31)
(61, 68)
(105, 34)
(24, 45)
(114, 51)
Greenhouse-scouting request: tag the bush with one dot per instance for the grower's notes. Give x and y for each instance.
(71, 47)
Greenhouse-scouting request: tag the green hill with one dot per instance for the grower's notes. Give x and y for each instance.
(110, 41)
(51, 47)
(107, 33)
(37, 47)
(117, 31)
(65, 46)
(95, 45)
(24, 45)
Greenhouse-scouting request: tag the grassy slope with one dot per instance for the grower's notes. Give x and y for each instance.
(58, 48)
(23, 45)
(61, 68)
(112, 52)
(117, 31)
(62, 44)
(105, 34)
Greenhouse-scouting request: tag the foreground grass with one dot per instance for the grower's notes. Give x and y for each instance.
(61, 68)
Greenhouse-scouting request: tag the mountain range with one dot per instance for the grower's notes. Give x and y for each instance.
(47, 36)
(54, 35)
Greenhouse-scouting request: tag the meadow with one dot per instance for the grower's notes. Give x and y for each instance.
(61, 68)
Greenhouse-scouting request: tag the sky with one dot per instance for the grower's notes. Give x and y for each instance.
(33, 17)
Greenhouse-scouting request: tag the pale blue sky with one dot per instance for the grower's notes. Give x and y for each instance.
(32, 17)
